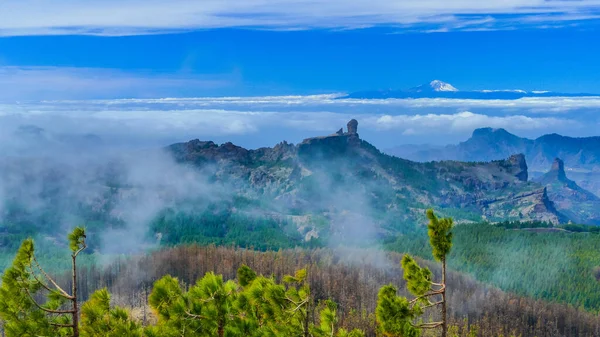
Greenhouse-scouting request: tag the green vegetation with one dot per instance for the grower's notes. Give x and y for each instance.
(24, 282)
(205, 297)
(221, 226)
(252, 306)
(396, 314)
(531, 259)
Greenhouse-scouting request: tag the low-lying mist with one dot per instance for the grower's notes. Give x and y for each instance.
(53, 182)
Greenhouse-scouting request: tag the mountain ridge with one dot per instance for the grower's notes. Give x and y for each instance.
(492, 190)
(495, 143)
(579, 157)
(440, 89)
(569, 198)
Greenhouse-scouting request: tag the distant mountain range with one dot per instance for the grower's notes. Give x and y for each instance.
(336, 189)
(581, 156)
(576, 203)
(341, 176)
(440, 89)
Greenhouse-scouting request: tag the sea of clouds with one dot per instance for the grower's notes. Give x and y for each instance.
(264, 121)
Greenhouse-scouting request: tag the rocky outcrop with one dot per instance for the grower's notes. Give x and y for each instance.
(578, 204)
(334, 145)
(198, 152)
(325, 175)
(558, 168)
(519, 166)
(353, 127)
(531, 205)
(485, 144)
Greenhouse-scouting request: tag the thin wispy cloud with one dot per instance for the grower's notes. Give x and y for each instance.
(134, 17)
(21, 83)
(549, 105)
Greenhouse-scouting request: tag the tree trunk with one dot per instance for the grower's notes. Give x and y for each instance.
(307, 317)
(444, 320)
(221, 329)
(74, 300)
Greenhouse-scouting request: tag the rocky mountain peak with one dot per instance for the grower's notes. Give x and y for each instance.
(437, 85)
(578, 204)
(336, 143)
(519, 166)
(558, 169)
(353, 127)
(492, 133)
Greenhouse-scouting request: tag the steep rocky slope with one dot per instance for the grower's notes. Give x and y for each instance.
(341, 174)
(335, 189)
(576, 203)
(581, 155)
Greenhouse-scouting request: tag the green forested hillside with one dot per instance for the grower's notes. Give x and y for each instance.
(548, 263)
(295, 197)
(208, 294)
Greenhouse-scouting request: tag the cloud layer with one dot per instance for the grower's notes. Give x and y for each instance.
(264, 121)
(134, 17)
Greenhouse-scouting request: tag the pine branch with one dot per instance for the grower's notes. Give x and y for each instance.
(44, 285)
(433, 293)
(431, 325)
(64, 293)
(432, 304)
(300, 304)
(45, 309)
(80, 249)
(59, 325)
(195, 316)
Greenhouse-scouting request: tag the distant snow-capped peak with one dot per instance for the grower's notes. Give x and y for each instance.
(434, 86)
(437, 85)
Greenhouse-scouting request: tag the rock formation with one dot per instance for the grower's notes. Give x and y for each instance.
(298, 175)
(577, 203)
(558, 169)
(332, 145)
(353, 127)
(519, 166)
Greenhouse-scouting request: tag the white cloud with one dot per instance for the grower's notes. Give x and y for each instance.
(132, 17)
(267, 120)
(465, 121)
(549, 105)
(532, 104)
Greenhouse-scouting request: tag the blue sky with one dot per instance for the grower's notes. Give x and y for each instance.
(107, 49)
(258, 62)
(260, 47)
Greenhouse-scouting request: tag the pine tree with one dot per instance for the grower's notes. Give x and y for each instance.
(254, 306)
(329, 324)
(207, 309)
(24, 282)
(298, 302)
(397, 316)
(99, 319)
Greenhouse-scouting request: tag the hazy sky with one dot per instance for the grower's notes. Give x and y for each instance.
(97, 51)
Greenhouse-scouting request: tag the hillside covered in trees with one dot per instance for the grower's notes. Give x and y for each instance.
(334, 206)
(211, 291)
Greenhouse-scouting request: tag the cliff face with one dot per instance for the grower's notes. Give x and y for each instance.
(330, 175)
(578, 204)
(485, 144)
